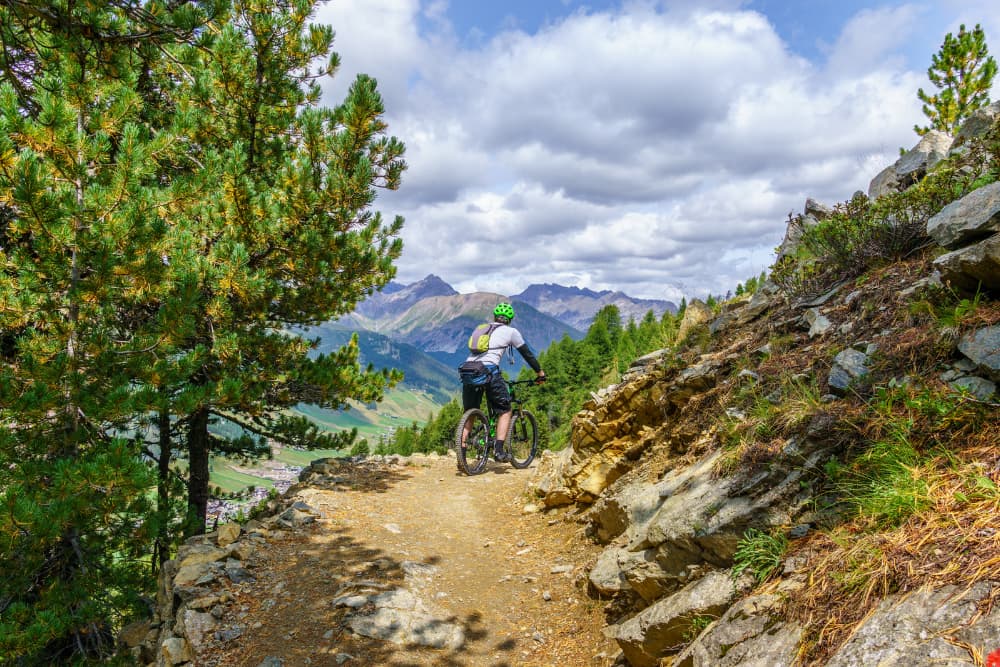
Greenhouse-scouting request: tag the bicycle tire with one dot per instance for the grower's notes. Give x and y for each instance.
(522, 439)
(472, 458)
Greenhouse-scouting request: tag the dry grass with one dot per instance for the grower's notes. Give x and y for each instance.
(955, 542)
(953, 539)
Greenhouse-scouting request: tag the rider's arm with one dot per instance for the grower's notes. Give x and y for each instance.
(529, 358)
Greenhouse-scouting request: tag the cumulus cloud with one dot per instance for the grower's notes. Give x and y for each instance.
(656, 148)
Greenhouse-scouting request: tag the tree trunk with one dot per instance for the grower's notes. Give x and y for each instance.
(163, 489)
(198, 449)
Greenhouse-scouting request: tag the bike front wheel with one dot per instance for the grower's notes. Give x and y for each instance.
(472, 442)
(523, 438)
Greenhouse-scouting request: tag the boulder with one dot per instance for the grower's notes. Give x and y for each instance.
(606, 577)
(662, 627)
(199, 555)
(971, 218)
(912, 166)
(973, 267)
(620, 570)
(926, 627)
(915, 163)
(977, 124)
(197, 626)
(817, 210)
(818, 323)
(547, 482)
(749, 634)
(885, 181)
(982, 347)
(696, 314)
(175, 651)
(227, 534)
(849, 366)
(793, 234)
(979, 388)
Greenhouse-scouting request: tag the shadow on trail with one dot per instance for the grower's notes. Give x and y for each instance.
(344, 475)
(492, 468)
(300, 608)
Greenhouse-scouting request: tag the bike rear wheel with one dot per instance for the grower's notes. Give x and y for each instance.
(472, 457)
(522, 438)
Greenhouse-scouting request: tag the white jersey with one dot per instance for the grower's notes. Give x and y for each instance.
(502, 337)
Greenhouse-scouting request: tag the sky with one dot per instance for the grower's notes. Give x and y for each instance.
(651, 147)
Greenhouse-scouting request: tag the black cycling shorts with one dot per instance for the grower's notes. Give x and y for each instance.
(496, 390)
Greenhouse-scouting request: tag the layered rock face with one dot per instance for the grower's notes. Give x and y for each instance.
(648, 477)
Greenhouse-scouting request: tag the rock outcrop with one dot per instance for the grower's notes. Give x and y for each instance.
(651, 481)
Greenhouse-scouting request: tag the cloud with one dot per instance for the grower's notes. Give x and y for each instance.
(656, 148)
(871, 36)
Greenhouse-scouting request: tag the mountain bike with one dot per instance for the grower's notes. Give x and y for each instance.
(521, 444)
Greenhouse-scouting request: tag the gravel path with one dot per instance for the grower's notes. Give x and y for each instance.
(420, 565)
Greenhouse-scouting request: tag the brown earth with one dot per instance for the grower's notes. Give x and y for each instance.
(491, 572)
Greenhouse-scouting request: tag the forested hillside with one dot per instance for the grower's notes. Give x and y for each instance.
(574, 369)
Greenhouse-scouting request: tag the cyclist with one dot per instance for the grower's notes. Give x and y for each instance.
(481, 373)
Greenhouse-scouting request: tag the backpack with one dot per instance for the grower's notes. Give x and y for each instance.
(479, 341)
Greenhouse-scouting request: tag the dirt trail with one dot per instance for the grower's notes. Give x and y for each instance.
(462, 546)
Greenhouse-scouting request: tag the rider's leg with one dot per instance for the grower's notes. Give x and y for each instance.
(471, 398)
(503, 423)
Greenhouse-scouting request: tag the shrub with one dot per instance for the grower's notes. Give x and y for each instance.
(862, 233)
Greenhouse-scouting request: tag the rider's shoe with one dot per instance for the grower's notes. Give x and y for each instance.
(501, 456)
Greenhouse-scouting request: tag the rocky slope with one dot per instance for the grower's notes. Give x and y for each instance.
(734, 440)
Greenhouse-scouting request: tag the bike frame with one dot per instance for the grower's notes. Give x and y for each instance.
(515, 403)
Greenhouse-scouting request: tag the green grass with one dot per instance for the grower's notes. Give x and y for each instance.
(760, 554)
(400, 408)
(231, 481)
(299, 457)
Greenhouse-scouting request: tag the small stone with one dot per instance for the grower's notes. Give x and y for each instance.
(547, 596)
(799, 531)
(227, 534)
(228, 635)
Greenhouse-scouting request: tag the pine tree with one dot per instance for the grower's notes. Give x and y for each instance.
(285, 236)
(963, 72)
(84, 190)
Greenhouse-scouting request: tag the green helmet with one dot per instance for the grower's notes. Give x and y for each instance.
(504, 310)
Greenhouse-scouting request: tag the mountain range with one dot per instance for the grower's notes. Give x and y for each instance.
(422, 328)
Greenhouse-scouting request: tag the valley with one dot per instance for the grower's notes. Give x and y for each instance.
(420, 330)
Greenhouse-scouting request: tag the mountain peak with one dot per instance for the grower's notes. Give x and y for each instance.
(430, 285)
(539, 290)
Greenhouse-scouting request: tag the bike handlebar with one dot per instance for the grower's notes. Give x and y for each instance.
(537, 380)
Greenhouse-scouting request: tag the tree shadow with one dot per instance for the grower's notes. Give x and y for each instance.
(290, 611)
